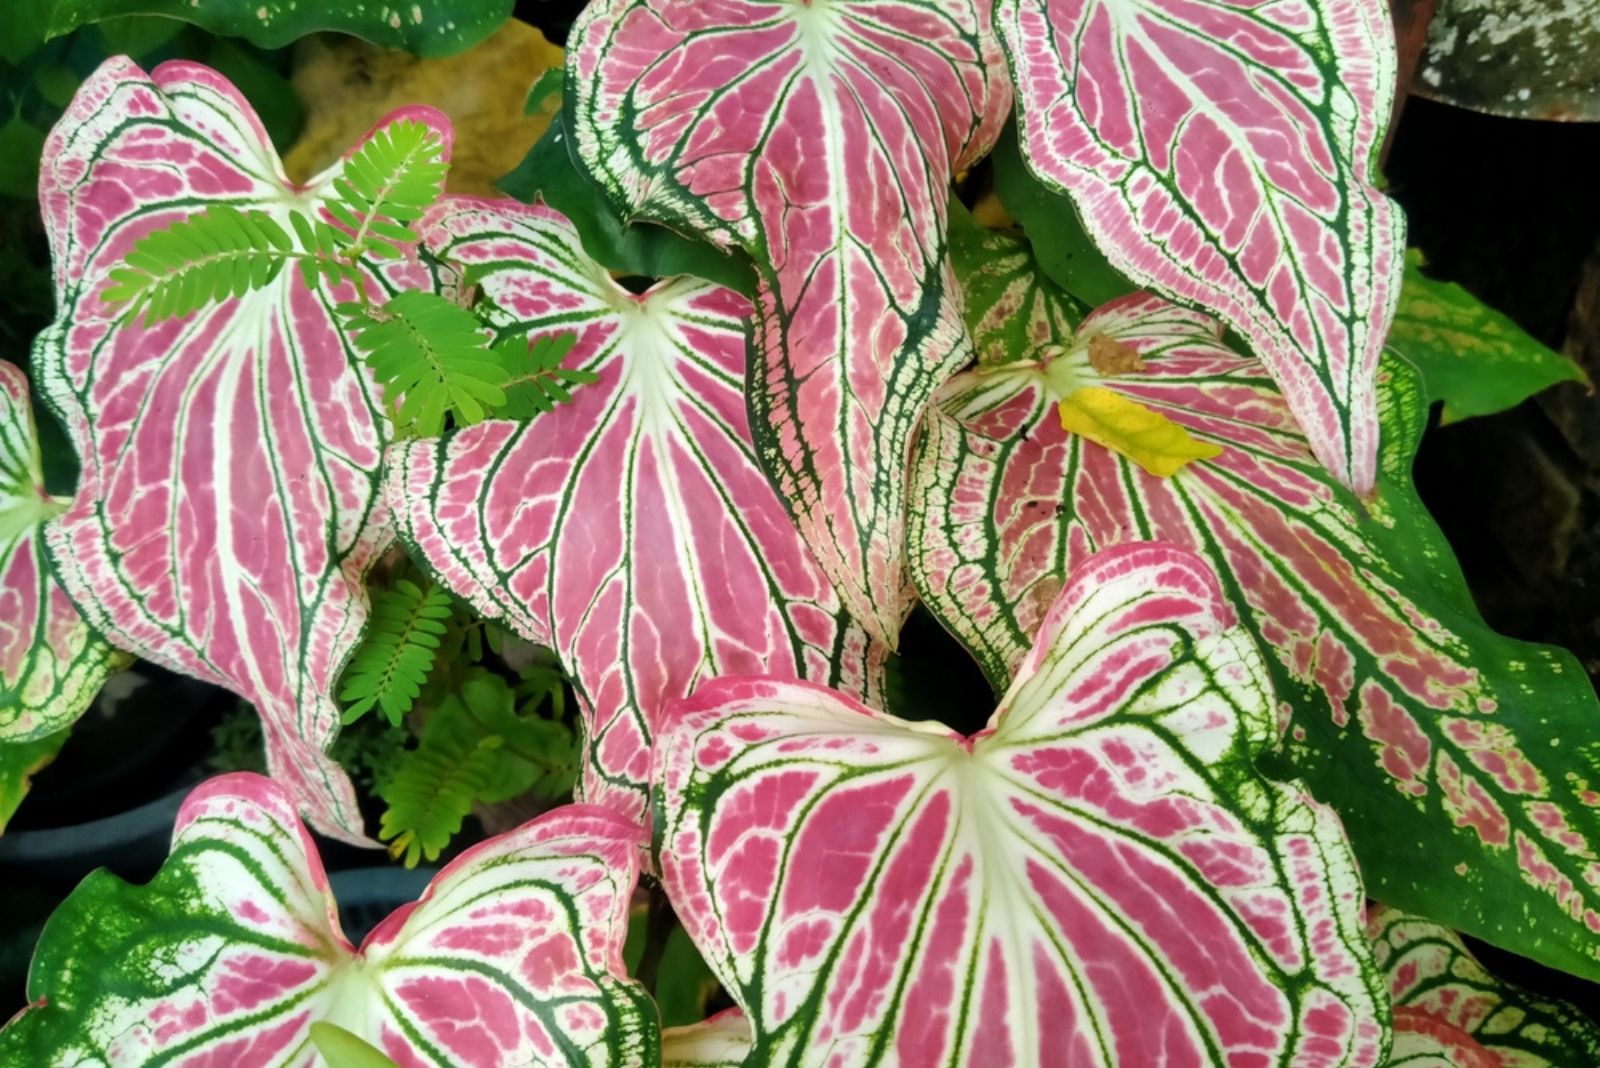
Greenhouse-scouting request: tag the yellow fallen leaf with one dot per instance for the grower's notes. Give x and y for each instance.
(1127, 427)
(347, 85)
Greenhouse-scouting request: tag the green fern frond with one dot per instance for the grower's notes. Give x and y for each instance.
(432, 791)
(388, 184)
(222, 252)
(394, 660)
(535, 381)
(432, 354)
(482, 745)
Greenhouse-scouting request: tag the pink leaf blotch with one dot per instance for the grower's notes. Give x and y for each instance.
(1100, 877)
(1218, 150)
(513, 954)
(51, 662)
(229, 503)
(820, 138)
(631, 529)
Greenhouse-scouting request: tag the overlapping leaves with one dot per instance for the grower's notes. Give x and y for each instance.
(1465, 765)
(1218, 150)
(228, 504)
(513, 955)
(820, 139)
(1100, 877)
(51, 662)
(1430, 971)
(630, 530)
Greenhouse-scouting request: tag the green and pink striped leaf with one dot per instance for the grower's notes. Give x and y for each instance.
(1431, 971)
(51, 662)
(229, 503)
(512, 956)
(631, 529)
(1465, 765)
(821, 139)
(1423, 1041)
(1218, 150)
(1100, 877)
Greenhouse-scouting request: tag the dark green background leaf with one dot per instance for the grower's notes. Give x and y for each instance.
(424, 27)
(549, 172)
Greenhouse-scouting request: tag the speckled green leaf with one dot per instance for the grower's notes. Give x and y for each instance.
(1473, 358)
(1530, 59)
(425, 27)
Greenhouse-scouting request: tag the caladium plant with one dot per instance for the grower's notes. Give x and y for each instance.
(1446, 747)
(1432, 974)
(51, 662)
(631, 530)
(1218, 150)
(821, 139)
(1101, 876)
(513, 955)
(228, 506)
(1219, 617)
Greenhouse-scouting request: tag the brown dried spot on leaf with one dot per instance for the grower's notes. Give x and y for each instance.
(1109, 356)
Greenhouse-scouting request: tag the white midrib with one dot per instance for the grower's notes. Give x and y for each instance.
(646, 344)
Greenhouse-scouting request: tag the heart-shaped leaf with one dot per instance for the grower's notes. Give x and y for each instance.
(1218, 150)
(513, 955)
(821, 139)
(1460, 760)
(1430, 971)
(1100, 877)
(51, 662)
(229, 504)
(631, 529)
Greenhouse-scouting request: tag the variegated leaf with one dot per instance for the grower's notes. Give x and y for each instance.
(1100, 877)
(513, 955)
(631, 530)
(1218, 150)
(821, 139)
(1466, 765)
(1421, 1041)
(1431, 971)
(229, 502)
(51, 662)
(720, 1042)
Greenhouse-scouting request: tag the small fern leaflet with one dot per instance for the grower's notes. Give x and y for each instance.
(395, 176)
(431, 355)
(478, 747)
(535, 380)
(393, 662)
(222, 252)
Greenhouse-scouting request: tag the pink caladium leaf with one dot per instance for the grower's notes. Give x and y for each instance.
(631, 529)
(229, 502)
(1457, 758)
(51, 662)
(1099, 877)
(1431, 972)
(512, 956)
(1218, 150)
(819, 138)
(1423, 1041)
